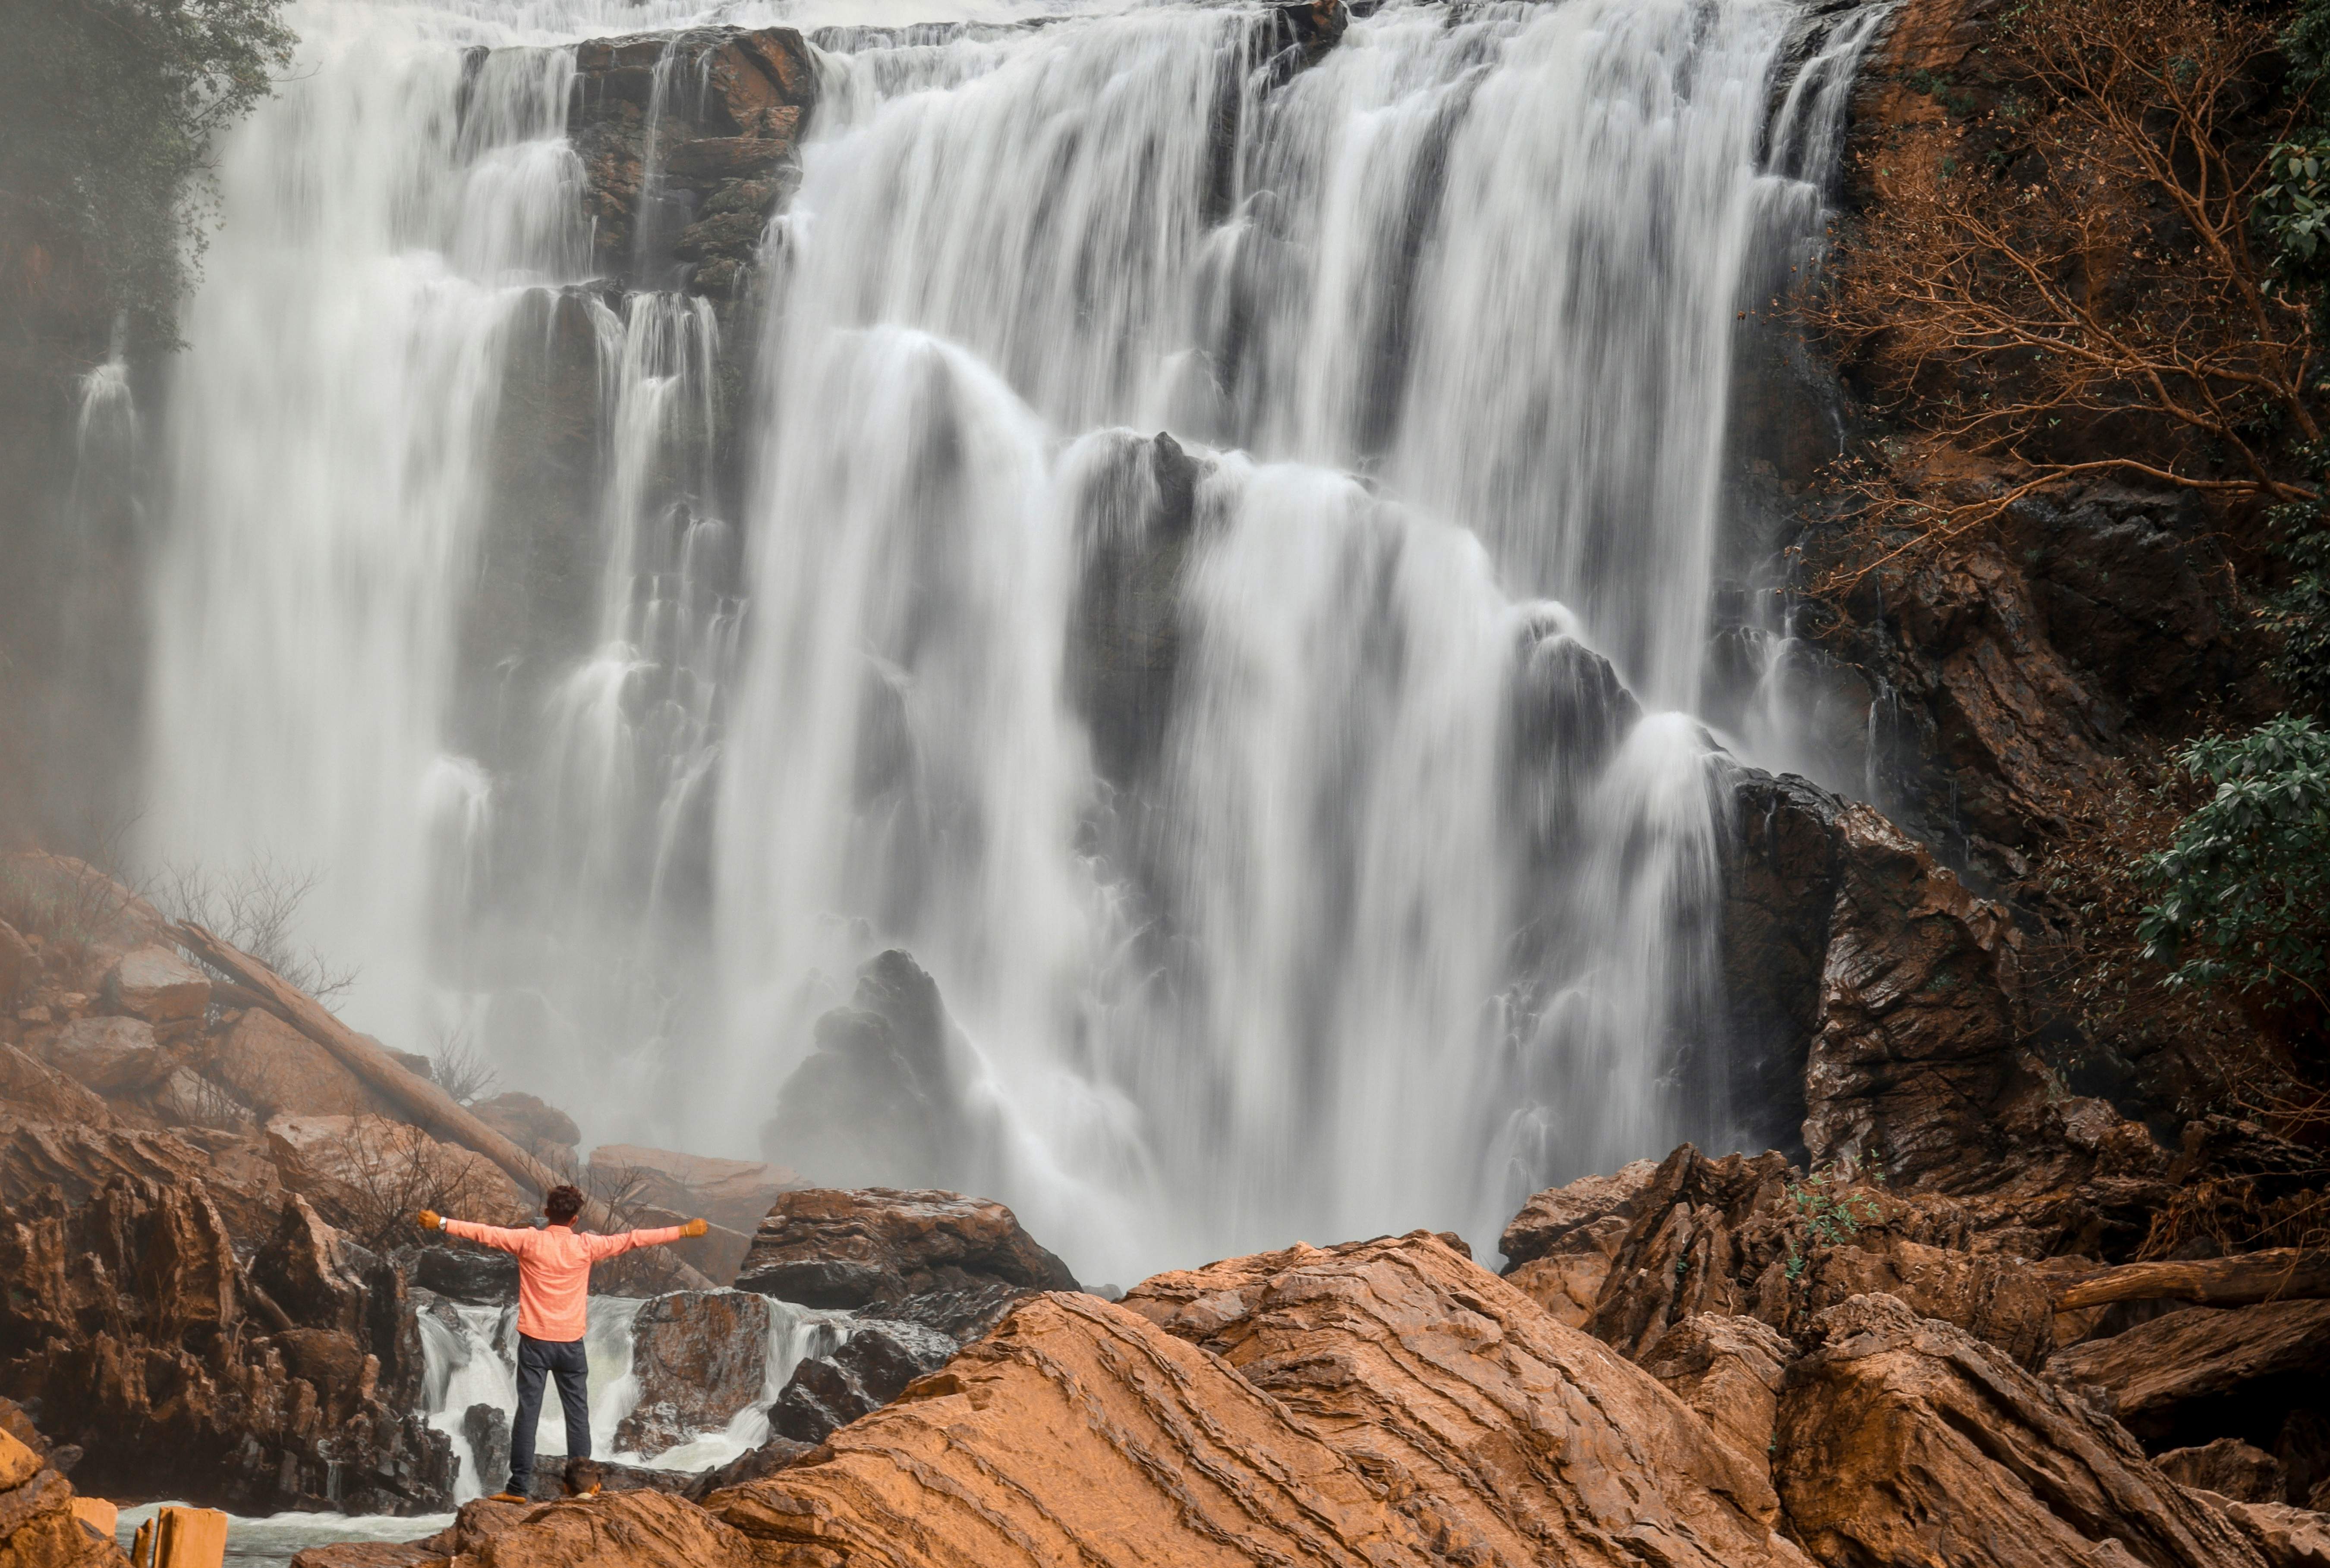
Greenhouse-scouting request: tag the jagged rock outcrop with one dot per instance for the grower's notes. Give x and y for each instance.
(1904, 1440)
(701, 1356)
(2204, 1372)
(938, 1259)
(1728, 1369)
(81, 1157)
(1494, 1430)
(1558, 1249)
(880, 1101)
(133, 1325)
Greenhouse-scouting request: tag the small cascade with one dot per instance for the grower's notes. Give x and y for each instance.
(469, 1357)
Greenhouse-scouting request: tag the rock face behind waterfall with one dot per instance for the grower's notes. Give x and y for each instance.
(689, 173)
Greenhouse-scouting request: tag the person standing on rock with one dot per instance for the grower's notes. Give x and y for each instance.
(554, 1296)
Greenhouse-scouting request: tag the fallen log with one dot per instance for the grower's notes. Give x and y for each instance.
(424, 1100)
(2281, 1274)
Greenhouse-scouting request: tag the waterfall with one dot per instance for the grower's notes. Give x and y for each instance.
(1307, 815)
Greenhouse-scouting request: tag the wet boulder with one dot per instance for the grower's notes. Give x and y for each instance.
(155, 984)
(701, 1357)
(472, 1276)
(948, 1262)
(868, 1370)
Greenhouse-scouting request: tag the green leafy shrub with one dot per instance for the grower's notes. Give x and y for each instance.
(2242, 894)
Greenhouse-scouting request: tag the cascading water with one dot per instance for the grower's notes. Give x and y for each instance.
(1263, 802)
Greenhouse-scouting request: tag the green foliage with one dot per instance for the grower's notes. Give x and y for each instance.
(2242, 893)
(2293, 209)
(107, 108)
(1832, 1211)
(2300, 611)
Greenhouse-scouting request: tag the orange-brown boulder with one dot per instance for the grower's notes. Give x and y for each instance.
(1728, 1369)
(638, 1529)
(33, 1089)
(79, 1158)
(268, 1064)
(1558, 1249)
(38, 1527)
(154, 983)
(1904, 1442)
(1077, 1433)
(1495, 1429)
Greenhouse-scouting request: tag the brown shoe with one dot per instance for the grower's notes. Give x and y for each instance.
(507, 1497)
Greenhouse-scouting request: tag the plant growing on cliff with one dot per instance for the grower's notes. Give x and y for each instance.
(107, 108)
(2242, 894)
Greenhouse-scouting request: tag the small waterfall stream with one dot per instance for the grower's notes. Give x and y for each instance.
(1373, 886)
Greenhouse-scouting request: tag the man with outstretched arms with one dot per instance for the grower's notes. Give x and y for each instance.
(554, 1294)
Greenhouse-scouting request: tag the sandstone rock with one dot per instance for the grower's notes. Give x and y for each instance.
(1550, 1219)
(1495, 1430)
(39, 1526)
(543, 1130)
(366, 1555)
(1903, 1440)
(113, 1056)
(2000, 1299)
(1705, 1234)
(865, 1372)
(939, 1259)
(632, 1529)
(757, 1464)
(701, 1356)
(880, 1101)
(734, 1193)
(1077, 1432)
(1916, 1054)
(301, 1270)
(2285, 1537)
(80, 1159)
(2205, 1373)
(272, 1067)
(2229, 1468)
(154, 983)
(36, 1090)
(1559, 1247)
(1728, 1369)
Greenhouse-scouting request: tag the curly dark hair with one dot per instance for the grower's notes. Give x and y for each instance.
(562, 1204)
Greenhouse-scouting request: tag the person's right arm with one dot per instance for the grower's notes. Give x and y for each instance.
(501, 1238)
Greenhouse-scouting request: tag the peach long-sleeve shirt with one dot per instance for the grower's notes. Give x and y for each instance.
(554, 1269)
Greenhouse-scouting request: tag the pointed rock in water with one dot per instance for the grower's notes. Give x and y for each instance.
(1903, 1440)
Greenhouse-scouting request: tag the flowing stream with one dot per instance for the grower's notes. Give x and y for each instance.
(1373, 884)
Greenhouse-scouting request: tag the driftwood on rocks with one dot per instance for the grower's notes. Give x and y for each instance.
(426, 1101)
(2281, 1274)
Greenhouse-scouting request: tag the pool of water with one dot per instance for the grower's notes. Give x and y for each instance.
(270, 1542)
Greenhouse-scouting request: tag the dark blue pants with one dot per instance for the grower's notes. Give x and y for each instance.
(536, 1359)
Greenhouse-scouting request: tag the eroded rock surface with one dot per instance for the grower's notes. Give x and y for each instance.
(1558, 1249)
(865, 1372)
(2207, 1372)
(701, 1356)
(1495, 1430)
(1904, 1440)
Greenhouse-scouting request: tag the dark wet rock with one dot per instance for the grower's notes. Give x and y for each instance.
(752, 1465)
(701, 1357)
(1136, 517)
(732, 113)
(891, 1251)
(1558, 1249)
(865, 1372)
(472, 1276)
(487, 1427)
(1780, 884)
(880, 1100)
(553, 1479)
(2228, 1467)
